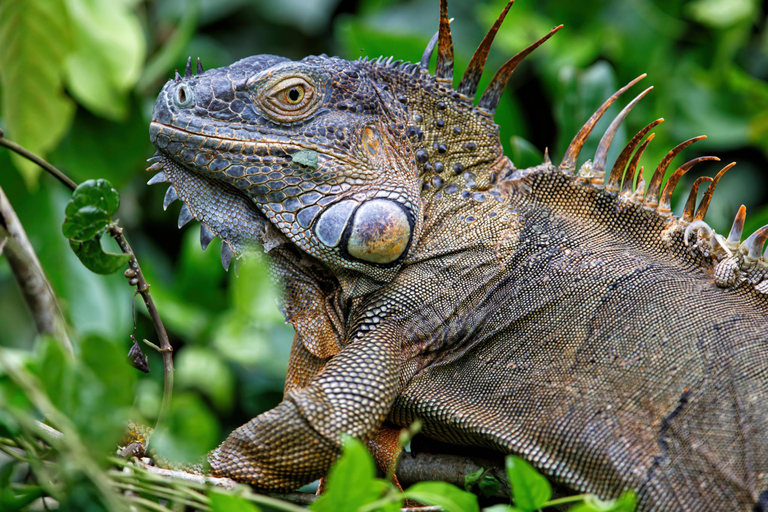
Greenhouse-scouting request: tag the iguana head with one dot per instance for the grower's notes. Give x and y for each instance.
(315, 146)
(341, 157)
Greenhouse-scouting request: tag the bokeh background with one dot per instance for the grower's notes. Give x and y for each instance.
(78, 79)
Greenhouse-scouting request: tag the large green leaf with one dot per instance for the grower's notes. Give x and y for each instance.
(35, 37)
(441, 494)
(530, 490)
(107, 56)
(352, 481)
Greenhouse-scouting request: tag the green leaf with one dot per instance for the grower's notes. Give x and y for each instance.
(221, 502)
(95, 259)
(35, 37)
(530, 490)
(441, 494)
(486, 483)
(624, 503)
(189, 431)
(471, 479)
(90, 210)
(109, 48)
(352, 481)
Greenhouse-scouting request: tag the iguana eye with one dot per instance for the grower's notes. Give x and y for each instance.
(294, 95)
(290, 99)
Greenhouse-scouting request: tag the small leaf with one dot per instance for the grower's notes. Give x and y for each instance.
(95, 259)
(471, 479)
(306, 157)
(441, 494)
(221, 502)
(530, 490)
(90, 210)
(488, 485)
(351, 481)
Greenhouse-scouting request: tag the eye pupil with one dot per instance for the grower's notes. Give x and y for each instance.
(182, 95)
(294, 94)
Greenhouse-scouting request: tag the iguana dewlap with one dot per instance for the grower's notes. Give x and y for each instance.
(568, 318)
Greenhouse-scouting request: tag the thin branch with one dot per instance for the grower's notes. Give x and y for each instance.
(136, 277)
(29, 274)
(66, 180)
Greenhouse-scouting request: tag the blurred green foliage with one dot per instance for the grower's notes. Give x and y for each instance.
(78, 80)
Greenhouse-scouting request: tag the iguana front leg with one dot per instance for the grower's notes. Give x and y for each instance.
(297, 441)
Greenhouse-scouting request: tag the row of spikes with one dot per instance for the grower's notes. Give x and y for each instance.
(622, 176)
(188, 70)
(468, 85)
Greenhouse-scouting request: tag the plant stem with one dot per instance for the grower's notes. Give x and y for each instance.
(16, 148)
(166, 350)
(565, 500)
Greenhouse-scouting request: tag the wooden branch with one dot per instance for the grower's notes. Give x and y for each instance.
(26, 268)
(425, 467)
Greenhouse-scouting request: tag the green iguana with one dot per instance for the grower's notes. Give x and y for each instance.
(567, 317)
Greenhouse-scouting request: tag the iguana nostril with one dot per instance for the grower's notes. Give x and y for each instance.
(380, 232)
(183, 96)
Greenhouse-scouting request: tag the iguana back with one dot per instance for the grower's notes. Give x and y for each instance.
(567, 318)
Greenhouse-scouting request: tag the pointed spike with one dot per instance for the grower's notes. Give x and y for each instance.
(734, 237)
(157, 166)
(188, 70)
(170, 196)
(157, 178)
(639, 193)
(444, 67)
(200, 69)
(184, 215)
(704, 206)
(206, 235)
(177, 76)
(226, 255)
(754, 244)
(652, 195)
(427, 56)
(547, 160)
(568, 165)
(629, 175)
(666, 194)
(617, 173)
(601, 155)
(690, 204)
(155, 159)
(468, 85)
(492, 94)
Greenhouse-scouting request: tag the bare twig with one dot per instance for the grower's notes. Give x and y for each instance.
(66, 180)
(35, 288)
(166, 350)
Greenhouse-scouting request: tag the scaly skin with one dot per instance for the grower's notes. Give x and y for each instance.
(530, 311)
